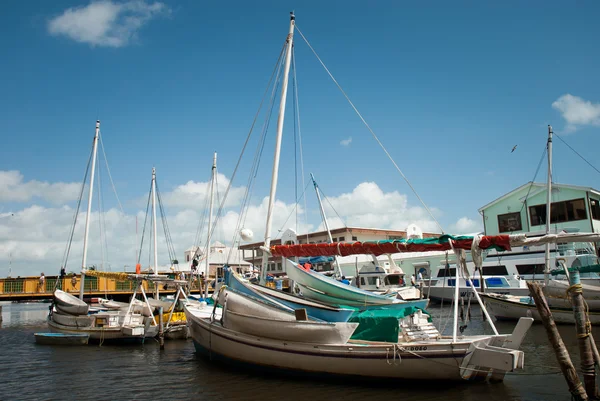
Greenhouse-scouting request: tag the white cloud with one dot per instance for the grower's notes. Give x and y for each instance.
(14, 189)
(193, 194)
(346, 142)
(105, 22)
(577, 111)
(368, 206)
(34, 237)
(465, 225)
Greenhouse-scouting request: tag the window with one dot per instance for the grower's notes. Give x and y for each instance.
(561, 212)
(341, 239)
(220, 271)
(13, 285)
(393, 279)
(595, 208)
(395, 237)
(334, 239)
(50, 283)
(279, 266)
(497, 270)
(187, 258)
(354, 238)
(124, 285)
(509, 222)
(447, 272)
(90, 284)
(362, 281)
(537, 268)
(372, 280)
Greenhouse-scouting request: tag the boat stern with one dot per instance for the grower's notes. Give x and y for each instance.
(490, 358)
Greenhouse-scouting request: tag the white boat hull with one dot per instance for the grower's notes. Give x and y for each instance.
(72, 320)
(69, 304)
(298, 331)
(333, 287)
(509, 308)
(439, 360)
(446, 294)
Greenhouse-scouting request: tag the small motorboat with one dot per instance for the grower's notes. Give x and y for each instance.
(61, 338)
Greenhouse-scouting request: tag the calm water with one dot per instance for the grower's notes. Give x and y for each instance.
(143, 372)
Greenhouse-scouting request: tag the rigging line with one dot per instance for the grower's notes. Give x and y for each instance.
(167, 231)
(109, 175)
(279, 232)
(336, 212)
(260, 146)
(371, 131)
(582, 158)
(221, 206)
(100, 218)
(70, 241)
(144, 227)
(201, 223)
(300, 140)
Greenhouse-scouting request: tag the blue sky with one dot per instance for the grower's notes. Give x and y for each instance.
(449, 88)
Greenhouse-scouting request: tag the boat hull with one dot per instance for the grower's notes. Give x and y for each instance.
(438, 294)
(512, 309)
(69, 304)
(61, 339)
(322, 297)
(321, 312)
(73, 320)
(332, 287)
(298, 331)
(441, 360)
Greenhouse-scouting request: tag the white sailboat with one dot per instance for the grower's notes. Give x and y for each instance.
(430, 357)
(71, 315)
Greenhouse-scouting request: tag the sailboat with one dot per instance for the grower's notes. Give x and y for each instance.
(418, 354)
(72, 315)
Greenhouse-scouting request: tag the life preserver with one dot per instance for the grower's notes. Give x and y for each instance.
(138, 268)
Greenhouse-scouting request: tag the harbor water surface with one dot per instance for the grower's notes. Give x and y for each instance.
(143, 372)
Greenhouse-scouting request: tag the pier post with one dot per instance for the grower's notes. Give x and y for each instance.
(562, 355)
(584, 328)
(161, 333)
(0, 313)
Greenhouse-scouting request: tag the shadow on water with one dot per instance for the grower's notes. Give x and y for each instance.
(143, 372)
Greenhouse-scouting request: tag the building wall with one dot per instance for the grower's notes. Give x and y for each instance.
(513, 204)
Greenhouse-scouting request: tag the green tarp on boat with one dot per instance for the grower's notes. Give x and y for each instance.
(379, 324)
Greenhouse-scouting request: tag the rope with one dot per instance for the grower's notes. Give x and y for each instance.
(371, 131)
(578, 289)
(583, 158)
(109, 175)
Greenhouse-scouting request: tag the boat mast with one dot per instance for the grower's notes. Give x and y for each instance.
(210, 211)
(284, 86)
(89, 209)
(338, 271)
(154, 229)
(548, 206)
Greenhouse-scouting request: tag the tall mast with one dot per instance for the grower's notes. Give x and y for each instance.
(154, 221)
(548, 206)
(284, 86)
(89, 209)
(210, 211)
(338, 271)
(154, 239)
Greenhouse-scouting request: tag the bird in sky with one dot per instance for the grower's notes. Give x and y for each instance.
(513, 149)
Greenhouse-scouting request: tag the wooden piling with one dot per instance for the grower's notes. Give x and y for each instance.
(562, 356)
(584, 329)
(0, 313)
(161, 333)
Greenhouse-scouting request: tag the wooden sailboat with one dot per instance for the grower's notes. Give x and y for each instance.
(432, 357)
